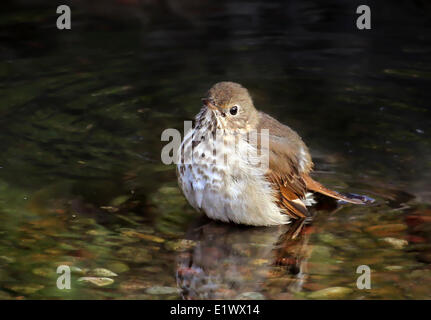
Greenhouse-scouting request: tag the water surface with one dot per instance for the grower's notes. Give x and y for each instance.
(82, 183)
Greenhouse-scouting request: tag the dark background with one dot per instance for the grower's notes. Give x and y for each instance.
(82, 112)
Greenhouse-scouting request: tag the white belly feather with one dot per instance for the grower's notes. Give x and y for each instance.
(228, 188)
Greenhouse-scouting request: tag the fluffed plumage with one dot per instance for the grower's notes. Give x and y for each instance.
(235, 190)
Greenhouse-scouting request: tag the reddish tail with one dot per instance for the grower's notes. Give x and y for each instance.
(317, 187)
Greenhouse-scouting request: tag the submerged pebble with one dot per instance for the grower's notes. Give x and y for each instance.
(44, 272)
(396, 243)
(78, 271)
(180, 245)
(250, 296)
(331, 293)
(118, 267)
(156, 290)
(394, 268)
(25, 288)
(151, 238)
(134, 284)
(136, 234)
(6, 259)
(386, 229)
(97, 281)
(102, 272)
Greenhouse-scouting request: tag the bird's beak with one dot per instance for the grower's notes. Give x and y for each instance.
(208, 103)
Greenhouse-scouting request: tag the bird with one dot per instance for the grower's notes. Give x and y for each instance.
(219, 175)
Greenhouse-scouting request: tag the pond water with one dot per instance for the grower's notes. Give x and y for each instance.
(81, 179)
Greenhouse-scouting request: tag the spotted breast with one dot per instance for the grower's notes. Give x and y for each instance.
(219, 177)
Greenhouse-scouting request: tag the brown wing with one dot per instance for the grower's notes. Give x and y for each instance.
(287, 197)
(285, 170)
(289, 167)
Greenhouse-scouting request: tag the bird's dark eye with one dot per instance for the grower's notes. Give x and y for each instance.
(234, 110)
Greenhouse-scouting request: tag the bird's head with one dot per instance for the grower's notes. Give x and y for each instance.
(232, 106)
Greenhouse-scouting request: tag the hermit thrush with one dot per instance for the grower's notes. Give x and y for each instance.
(219, 177)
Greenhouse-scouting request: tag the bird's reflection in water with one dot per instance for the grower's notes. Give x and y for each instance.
(230, 260)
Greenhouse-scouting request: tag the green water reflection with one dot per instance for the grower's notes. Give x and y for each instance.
(82, 184)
